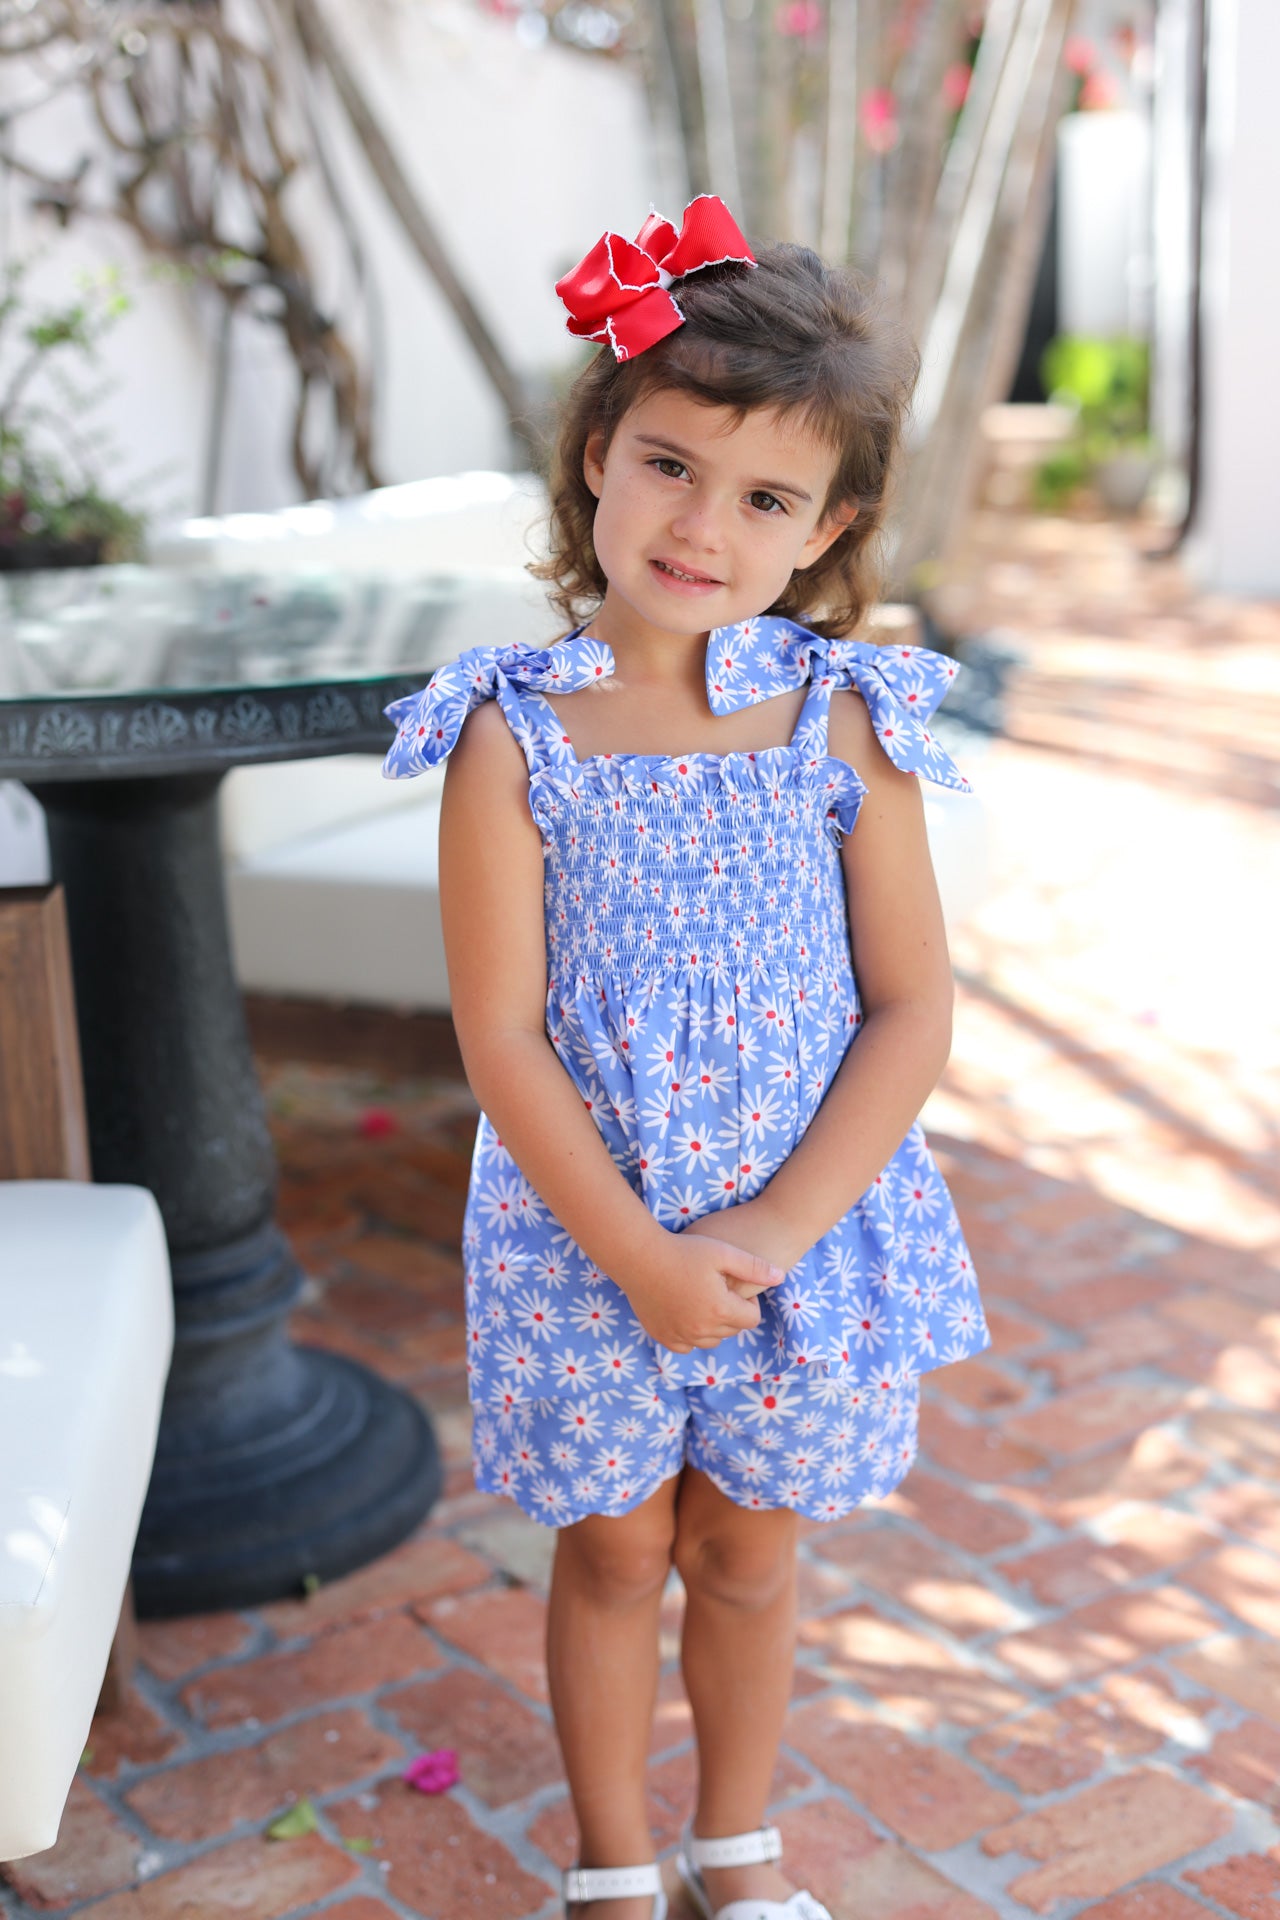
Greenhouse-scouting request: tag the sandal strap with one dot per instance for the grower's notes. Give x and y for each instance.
(610, 1883)
(735, 1849)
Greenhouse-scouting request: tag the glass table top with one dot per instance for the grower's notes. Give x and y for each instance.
(137, 631)
(116, 672)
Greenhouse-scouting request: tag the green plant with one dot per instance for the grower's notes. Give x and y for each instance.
(54, 504)
(1108, 382)
(1057, 478)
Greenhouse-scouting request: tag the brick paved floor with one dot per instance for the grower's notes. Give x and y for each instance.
(1044, 1678)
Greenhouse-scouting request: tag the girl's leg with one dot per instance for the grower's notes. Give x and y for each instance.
(602, 1663)
(739, 1572)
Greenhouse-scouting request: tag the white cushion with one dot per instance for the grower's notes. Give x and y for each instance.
(482, 520)
(282, 800)
(351, 913)
(86, 1336)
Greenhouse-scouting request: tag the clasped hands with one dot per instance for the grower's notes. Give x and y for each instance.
(700, 1286)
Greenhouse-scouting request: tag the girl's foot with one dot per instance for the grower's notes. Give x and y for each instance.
(641, 1909)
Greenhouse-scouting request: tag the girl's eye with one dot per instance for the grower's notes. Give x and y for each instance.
(773, 500)
(664, 461)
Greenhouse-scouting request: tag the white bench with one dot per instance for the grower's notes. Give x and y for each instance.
(332, 885)
(86, 1335)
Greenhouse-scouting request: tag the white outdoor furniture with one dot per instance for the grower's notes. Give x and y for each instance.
(332, 889)
(86, 1333)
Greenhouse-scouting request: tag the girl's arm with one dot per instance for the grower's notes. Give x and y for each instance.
(491, 893)
(904, 978)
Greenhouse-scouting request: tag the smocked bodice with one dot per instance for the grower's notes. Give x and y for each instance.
(701, 862)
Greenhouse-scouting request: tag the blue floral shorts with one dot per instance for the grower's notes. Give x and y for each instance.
(809, 1439)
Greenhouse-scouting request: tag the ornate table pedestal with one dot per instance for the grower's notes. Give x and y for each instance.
(274, 1462)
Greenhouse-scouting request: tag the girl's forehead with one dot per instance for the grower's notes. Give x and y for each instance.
(721, 437)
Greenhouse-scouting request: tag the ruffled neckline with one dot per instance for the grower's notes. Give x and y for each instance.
(641, 775)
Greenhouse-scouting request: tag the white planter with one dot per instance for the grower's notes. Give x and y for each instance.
(1123, 479)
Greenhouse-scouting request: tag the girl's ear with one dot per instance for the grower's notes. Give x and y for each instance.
(825, 534)
(593, 460)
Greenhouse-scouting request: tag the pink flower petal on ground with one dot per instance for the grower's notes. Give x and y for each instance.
(434, 1772)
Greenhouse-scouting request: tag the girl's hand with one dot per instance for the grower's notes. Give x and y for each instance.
(753, 1227)
(698, 1291)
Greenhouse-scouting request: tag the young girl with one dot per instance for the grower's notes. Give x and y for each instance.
(708, 1253)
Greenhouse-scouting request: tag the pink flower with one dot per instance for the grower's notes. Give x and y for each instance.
(1080, 54)
(375, 1123)
(1098, 93)
(880, 120)
(955, 85)
(434, 1772)
(799, 19)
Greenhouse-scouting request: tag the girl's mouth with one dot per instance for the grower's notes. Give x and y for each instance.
(678, 580)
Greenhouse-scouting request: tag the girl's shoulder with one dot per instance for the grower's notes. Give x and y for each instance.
(851, 733)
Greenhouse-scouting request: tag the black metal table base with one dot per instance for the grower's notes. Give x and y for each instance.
(349, 1476)
(274, 1462)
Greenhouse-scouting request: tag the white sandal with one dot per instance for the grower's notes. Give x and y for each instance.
(615, 1883)
(741, 1850)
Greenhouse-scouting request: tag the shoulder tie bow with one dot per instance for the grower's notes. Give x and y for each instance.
(900, 685)
(618, 292)
(428, 723)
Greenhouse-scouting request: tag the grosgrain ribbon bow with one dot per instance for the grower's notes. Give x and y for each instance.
(619, 292)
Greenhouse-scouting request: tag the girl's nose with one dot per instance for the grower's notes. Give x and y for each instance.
(701, 523)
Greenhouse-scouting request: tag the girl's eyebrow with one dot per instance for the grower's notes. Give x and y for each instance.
(757, 486)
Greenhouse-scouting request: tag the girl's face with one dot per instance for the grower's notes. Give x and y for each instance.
(702, 523)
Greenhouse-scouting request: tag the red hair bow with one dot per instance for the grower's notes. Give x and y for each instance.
(619, 292)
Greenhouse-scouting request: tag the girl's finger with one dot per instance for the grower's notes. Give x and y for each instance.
(756, 1271)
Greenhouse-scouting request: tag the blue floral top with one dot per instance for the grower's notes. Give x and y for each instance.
(701, 997)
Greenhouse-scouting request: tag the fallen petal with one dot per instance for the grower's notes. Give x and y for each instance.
(434, 1772)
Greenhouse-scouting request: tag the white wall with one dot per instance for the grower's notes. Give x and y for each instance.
(523, 155)
(1172, 183)
(1104, 222)
(1236, 545)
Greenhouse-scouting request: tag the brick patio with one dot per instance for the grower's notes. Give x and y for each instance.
(1044, 1678)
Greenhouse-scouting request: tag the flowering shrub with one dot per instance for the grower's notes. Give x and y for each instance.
(53, 508)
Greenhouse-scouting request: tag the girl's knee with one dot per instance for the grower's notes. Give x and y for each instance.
(621, 1562)
(748, 1563)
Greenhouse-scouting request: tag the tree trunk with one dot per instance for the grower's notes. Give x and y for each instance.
(835, 227)
(971, 344)
(419, 229)
(917, 164)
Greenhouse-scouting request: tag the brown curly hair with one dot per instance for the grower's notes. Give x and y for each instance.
(790, 333)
